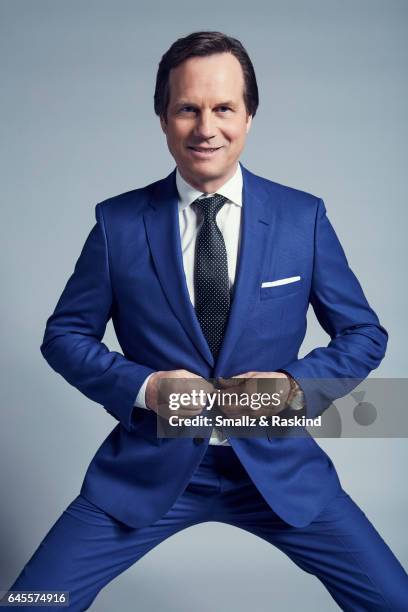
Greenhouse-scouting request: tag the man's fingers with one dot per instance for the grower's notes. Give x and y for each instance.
(225, 383)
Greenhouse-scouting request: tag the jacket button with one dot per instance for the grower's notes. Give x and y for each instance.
(198, 440)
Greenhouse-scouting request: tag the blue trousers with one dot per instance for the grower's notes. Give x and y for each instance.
(86, 548)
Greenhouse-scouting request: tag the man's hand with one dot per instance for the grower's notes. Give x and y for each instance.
(248, 383)
(163, 383)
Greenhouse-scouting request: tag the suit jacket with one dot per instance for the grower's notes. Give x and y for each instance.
(131, 270)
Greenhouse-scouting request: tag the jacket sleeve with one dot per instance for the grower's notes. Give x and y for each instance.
(358, 341)
(72, 340)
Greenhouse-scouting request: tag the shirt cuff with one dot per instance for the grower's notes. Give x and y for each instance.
(140, 400)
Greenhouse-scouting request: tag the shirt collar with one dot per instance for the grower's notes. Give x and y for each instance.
(231, 189)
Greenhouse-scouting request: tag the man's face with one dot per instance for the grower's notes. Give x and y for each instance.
(207, 121)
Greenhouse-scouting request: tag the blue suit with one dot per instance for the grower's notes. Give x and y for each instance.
(140, 489)
(131, 269)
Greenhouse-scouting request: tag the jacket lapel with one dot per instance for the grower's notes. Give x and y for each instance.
(162, 227)
(255, 234)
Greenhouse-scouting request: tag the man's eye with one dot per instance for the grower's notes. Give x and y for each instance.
(224, 108)
(187, 109)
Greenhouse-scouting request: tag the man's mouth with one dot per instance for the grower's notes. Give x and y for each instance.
(205, 151)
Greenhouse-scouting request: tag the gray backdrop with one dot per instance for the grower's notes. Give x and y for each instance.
(77, 127)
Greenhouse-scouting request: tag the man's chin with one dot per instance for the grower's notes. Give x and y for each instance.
(205, 170)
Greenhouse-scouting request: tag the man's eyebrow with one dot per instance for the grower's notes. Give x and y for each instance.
(188, 103)
(184, 103)
(227, 103)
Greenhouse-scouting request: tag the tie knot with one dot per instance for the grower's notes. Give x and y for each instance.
(211, 205)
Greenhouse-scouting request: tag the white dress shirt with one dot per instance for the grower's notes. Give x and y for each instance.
(229, 221)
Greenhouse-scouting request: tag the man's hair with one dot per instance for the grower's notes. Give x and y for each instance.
(201, 44)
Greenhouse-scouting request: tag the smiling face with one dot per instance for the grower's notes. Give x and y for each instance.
(207, 121)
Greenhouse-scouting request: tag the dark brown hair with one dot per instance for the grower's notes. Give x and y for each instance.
(200, 44)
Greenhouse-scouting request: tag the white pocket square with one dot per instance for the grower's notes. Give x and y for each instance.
(281, 281)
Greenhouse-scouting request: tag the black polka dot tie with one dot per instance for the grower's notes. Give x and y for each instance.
(211, 282)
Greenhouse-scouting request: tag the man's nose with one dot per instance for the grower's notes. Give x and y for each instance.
(205, 126)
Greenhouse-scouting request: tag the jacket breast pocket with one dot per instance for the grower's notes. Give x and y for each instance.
(281, 287)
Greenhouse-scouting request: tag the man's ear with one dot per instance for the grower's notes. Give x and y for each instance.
(163, 123)
(249, 123)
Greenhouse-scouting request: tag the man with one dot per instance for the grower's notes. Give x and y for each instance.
(207, 275)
